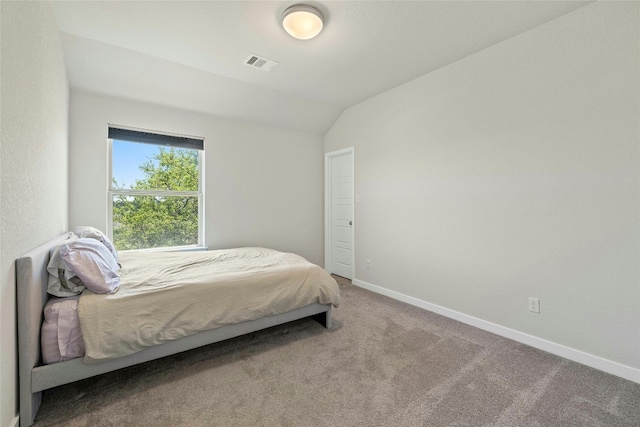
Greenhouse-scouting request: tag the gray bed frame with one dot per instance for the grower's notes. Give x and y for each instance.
(31, 271)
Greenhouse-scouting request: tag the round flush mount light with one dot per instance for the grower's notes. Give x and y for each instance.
(302, 22)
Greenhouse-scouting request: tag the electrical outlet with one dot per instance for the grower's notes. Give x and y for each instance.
(368, 264)
(534, 305)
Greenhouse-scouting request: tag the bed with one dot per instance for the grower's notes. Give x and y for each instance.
(35, 377)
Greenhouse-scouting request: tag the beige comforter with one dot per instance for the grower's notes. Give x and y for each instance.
(169, 295)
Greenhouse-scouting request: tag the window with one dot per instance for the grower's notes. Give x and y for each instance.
(155, 190)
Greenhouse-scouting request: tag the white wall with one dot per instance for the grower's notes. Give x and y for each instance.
(263, 184)
(33, 161)
(513, 173)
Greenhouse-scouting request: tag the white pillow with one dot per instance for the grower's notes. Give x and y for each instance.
(63, 281)
(93, 263)
(94, 233)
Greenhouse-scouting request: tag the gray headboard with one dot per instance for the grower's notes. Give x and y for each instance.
(31, 282)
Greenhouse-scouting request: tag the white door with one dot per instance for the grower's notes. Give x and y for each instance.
(340, 169)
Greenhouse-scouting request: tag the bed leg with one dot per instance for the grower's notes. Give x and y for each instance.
(324, 318)
(328, 322)
(29, 404)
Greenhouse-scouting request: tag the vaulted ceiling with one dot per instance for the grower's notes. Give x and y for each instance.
(190, 55)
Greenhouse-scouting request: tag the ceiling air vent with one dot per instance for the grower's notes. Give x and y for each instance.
(260, 62)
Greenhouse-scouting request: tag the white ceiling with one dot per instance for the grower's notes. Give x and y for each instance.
(190, 55)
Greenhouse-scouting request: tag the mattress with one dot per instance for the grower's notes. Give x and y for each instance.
(61, 338)
(165, 296)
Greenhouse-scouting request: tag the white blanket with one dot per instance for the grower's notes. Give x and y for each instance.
(164, 296)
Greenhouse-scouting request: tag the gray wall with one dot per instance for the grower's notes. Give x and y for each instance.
(33, 161)
(263, 185)
(512, 173)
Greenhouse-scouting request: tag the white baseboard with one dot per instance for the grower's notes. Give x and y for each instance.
(605, 365)
(15, 422)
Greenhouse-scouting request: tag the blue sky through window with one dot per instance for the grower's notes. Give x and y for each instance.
(127, 157)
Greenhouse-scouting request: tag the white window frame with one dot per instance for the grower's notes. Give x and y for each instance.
(111, 192)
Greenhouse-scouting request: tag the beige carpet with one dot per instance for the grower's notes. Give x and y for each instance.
(384, 363)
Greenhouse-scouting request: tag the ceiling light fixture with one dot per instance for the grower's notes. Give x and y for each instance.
(302, 22)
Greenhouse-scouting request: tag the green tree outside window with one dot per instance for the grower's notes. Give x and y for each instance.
(151, 221)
